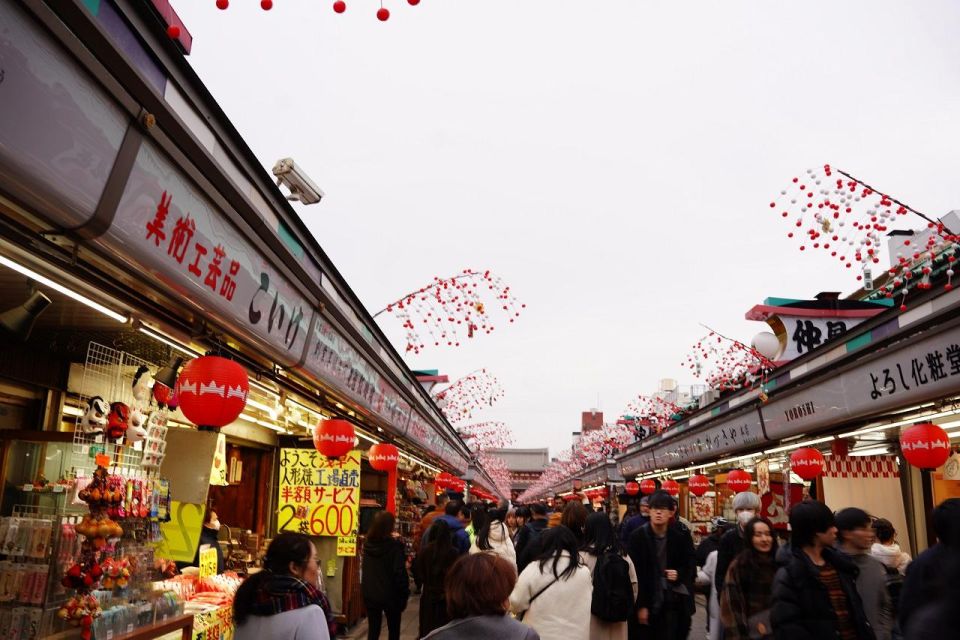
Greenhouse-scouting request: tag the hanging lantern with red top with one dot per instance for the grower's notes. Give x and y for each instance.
(442, 482)
(671, 486)
(739, 480)
(806, 463)
(925, 445)
(698, 484)
(385, 457)
(334, 438)
(648, 486)
(631, 488)
(212, 391)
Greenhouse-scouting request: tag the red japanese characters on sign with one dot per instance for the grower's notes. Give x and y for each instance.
(318, 496)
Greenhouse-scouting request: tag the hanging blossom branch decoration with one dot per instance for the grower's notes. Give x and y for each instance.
(482, 436)
(726, 364)
(830, 210)
(449, 309)
(650, 411)
(470, 393)
(496, 468)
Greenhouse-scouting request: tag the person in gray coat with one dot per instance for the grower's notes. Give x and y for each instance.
(855, 536)
(478, 591)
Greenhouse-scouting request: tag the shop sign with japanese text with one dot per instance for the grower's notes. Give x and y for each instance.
(347, 546)
(713, 442)
(925, 370)
(318, 496)
(805, 333)
(643, 462)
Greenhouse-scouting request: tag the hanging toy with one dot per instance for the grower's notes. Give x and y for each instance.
(137, 431)
(142, 386)
(117, 421)
(94, 419)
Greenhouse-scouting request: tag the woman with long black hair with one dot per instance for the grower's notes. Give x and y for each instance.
(385, 584)
(600, 541)
(553, 592)
(494, 537)
(284, 600)
(433, 564)
(748, 587)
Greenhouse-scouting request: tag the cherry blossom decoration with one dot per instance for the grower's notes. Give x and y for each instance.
(470, 393)
(726, 364)
(649, 413)
(831, 211)
(482, 436)
(496, 468)
(448, 310)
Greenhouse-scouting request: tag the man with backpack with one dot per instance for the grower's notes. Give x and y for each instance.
(528, 539)
(614, 596)
(664, 559)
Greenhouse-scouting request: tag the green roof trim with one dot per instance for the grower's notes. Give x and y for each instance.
(779, 302)
(290, 241)
(860, 341)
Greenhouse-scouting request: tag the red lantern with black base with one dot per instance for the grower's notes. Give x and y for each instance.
(925, 445)
(806, 463)
(212, 391)
(739, 480)
(385, 457)
(631, 488)
(334, 438)
(698, 485)
(648, 486)
(672, 487)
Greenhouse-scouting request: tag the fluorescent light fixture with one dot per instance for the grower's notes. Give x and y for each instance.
(872, 451)
(901, 423)
(70, 293)
(420, 462)
(260, 405)
(262, 423)
(264, 388)
(798, 445)
(171, 342)
(361, 434)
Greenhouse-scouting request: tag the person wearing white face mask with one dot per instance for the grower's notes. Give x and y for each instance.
(746, 505)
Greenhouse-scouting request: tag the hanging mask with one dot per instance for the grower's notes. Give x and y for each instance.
(142, 386)
(136, 432)
(117, 421)
(94, 420)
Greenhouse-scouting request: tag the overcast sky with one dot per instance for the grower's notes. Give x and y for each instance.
(613, 161)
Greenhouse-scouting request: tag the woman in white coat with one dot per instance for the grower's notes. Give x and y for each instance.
(705, 576)
(554, 592)
(599, 539)
(494, 537)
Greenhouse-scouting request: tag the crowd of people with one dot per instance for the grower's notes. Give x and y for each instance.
(529, 572)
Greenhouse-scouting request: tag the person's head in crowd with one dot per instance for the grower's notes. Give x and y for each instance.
(556, 543)
(523, 516)
(289, 554)
(382, 526)
(452, 508)
(511, 519)
(759, 538)
(812, 524)
(946, 522)
(498, 514)
(538, 511)
(479, 585)
(440, 535)
(599, 537)
(886, 534)
(574, 517)
(854, 530)
(645, 506)
(442, 500)
(211, 520)
(465, 513)
(746, 504)
(479, 517)
(662, 507)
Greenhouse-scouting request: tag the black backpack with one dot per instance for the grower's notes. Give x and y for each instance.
(894, 587)
(612, 599)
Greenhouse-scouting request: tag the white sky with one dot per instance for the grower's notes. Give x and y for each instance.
(613, 161)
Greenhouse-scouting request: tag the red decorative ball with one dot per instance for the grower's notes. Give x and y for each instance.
(698, 485)
(413, 3)
(631, 488)
(739, 480)
(173, 31)
(671, 486)
(223, 4)
(383, 457)
(648, 486)
(212, 391)
(334, 438)
(383, 14)
(266, 5)
(339, 6)
(807, 463)
(925, 445)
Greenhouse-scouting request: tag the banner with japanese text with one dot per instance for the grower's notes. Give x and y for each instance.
(318, 496)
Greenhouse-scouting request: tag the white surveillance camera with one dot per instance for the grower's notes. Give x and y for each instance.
(301, 187)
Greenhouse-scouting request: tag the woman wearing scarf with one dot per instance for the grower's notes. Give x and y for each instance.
(284, 600)
(748, 589)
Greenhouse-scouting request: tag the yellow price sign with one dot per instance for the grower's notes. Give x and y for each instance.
(208, 562)
(317, 496)
(347, 546)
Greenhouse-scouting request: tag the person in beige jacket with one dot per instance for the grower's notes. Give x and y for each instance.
(494, 537)
(598, 539)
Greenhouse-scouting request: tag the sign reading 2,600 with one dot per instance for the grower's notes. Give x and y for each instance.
(324, 520)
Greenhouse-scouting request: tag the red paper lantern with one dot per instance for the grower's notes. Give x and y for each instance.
(698, 485)
(925, 445)
(212, 391)
(672, 487)
(383, 457)
(739, 480)
(339, 6)
(648, 486)
(632, 488)
(223, 4)
(413, 3)
(334, 438)
(383, 14)
(806, 463)
(266, 5)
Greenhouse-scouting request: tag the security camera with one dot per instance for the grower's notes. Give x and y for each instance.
(301, 187)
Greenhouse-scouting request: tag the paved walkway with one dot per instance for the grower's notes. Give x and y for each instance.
(410, 624)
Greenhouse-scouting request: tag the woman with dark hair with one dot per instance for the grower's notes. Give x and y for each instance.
(494, 537)
(574, 517)
(284, 600)
(746, 598)
(599, 541)
(523, 516)
(433, 564)
(385, 584)
(886, 549)
(478, 590)
(478, 519)
(553, 592)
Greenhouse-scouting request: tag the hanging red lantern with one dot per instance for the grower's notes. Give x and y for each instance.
(339, 6)
(383, 14)
(266, 5)
(212, 391)
(648, 486)
(632, 488)
(385, 457)
(806, 463)
(698, 485)
(334, 438)
(739, 480)
(671, 486)
(925, 445)
(223, 4)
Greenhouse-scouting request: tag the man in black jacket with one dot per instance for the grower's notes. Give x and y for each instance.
(528, 540)
(664, 559)
(815, 594)
(925, 575)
